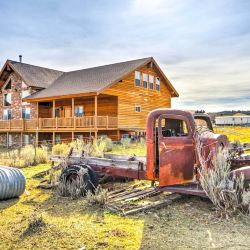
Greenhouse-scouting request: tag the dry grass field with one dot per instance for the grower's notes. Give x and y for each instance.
(234, 133)
(41, 219)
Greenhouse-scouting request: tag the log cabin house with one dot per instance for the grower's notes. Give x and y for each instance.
(40, 104)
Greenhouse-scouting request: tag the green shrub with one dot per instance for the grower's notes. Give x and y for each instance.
(126, 142)
(60, 149)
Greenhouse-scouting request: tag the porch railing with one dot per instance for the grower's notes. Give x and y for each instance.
(60, 123)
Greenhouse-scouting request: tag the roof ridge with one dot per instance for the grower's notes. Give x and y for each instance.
(11, 61)
(110, 64)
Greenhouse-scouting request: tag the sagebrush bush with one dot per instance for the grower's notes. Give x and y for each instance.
(100, 197)
(42, 155)
(126, 142)
(226, 191)
(60, 149)
(24, 157)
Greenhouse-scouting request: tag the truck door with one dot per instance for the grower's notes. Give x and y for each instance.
(176, 150)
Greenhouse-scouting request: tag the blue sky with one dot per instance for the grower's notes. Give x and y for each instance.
(202, 46)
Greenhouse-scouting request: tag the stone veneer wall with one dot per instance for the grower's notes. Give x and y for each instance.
(16, 97)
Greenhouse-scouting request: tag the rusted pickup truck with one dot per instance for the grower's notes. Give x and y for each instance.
(172, 159)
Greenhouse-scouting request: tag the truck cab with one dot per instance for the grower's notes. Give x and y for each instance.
(172, 143)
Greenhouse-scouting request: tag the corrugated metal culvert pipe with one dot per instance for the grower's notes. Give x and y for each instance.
(12, 183)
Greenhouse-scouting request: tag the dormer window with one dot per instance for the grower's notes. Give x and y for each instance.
(145, 80)
(7, 99)
(137, 78)
(151, 82)
(157, 83)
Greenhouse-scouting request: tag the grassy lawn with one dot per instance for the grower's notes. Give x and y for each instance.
(190, 223)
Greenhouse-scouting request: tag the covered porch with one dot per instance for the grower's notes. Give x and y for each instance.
(85, 113)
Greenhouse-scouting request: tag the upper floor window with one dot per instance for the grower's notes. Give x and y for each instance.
(6, 114)
(137, 78)
(26, 113)
(8, 85)
(151, 82)
(145, 80)
(7, 99)
(25, 93)
(157, 83)
(79, 111)
(137, 108)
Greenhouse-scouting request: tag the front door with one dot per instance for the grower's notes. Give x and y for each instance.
(176, 150)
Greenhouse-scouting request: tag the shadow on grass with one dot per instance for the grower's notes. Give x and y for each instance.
(4, 204)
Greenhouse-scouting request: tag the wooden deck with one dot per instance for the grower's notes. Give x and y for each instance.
(85, 123)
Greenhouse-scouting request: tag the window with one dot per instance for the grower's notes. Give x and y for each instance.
(6, 114)
(151, 82)
(7, 99)
(173, 127)
(25, 93)
(145, 80)
(157, 84)
(137, 108)
(58, 139)
(137, 78)
(26, 113)
(57, 112)
(8, 85)
(79, 111)
(26, 139)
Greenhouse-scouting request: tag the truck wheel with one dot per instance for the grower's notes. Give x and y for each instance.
(92, 174)
(73, 173)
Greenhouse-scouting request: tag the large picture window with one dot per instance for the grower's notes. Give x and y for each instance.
(137, 78)
(145, 80)
(7, 99)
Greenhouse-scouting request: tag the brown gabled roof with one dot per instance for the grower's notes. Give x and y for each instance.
(90, 80)
(35, 76)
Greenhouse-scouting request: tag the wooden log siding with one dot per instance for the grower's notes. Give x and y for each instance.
(129, 95)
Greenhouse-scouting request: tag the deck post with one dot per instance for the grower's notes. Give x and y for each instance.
(7, 139)
(73, 136)
(53, 109)
(37, 110)
(73, 107)
(95, 116)
(21, 139)
(36, 138)
(53, 138)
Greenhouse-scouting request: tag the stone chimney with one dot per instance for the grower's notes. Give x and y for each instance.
(20, 58)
